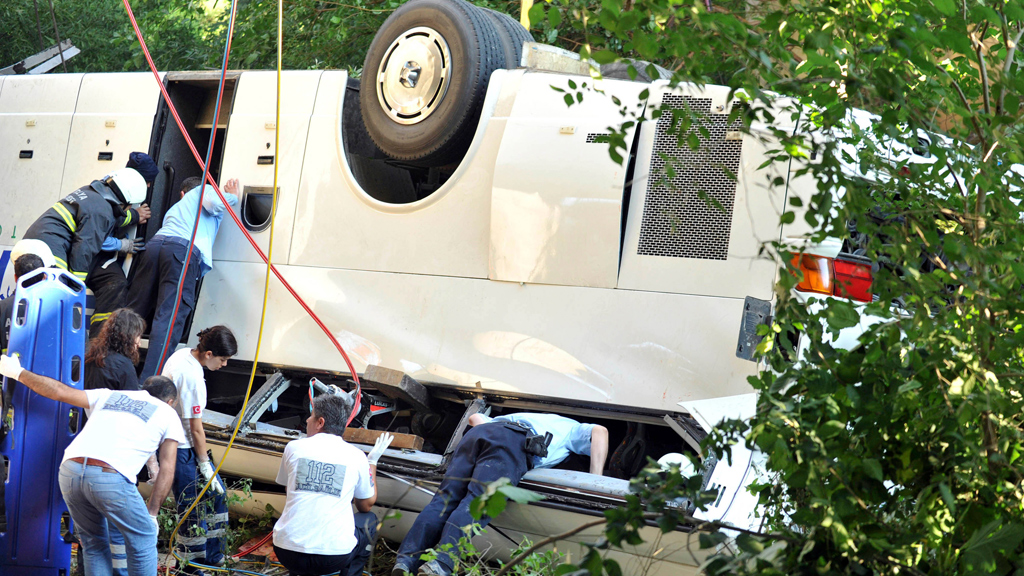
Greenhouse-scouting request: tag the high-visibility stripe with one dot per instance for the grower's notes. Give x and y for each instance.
(127, 218)
(119, 563)
(81, 275)
(99, 317)
(68, 218)
(215, 533)
(218, 518)
(61, 264)
(117, 549)
(190, 541)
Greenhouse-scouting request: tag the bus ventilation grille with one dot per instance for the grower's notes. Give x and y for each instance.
(691, 193)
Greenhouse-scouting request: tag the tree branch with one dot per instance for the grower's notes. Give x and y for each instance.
(1010, 52)
(522, 556)
(979, 50)
(970, 111)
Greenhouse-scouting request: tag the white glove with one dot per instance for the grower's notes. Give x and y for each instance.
(156, 524)
(207, 469)
(383, 441)
(10, 366)
(154, 469)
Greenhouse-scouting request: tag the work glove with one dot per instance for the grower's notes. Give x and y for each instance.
(10, 366)
(383, 441)
(132, 245)
(156, 523)
(153, 467)
(207, 469)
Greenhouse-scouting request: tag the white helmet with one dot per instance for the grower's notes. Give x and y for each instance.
(37, 247)
(128, 184)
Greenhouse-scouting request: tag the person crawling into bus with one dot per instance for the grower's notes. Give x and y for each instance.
(74, 228)
(323, 477)
(154, 287)
(503, 447)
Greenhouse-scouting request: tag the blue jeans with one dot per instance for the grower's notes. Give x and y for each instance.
(152, 291)
(201, 537)
(486, 453)
(99, 500)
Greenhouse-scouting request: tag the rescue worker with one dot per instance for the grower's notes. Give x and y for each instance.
(74, 228)
(155, 281)
(202, 533)
(97, 475)
(22, 265)
(106, 278)
(324, 476)
(503, 447)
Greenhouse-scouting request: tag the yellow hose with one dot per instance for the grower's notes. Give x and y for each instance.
(266, 282)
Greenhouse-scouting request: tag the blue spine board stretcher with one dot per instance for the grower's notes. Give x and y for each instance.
(48, 333)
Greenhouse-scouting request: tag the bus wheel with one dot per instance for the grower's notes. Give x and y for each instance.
(425, 78)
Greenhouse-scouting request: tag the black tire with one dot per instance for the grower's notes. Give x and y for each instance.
(444, 133)
(514, 32)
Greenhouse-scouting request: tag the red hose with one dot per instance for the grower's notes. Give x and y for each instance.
(195, 153)
(199, 211)
(262, 541)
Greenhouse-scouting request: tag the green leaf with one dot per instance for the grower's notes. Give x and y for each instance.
(831, 428)
(604, 57)
(554, 17)
(873, 469)
(947, 7)
(520, 495)
(947, 497)
(912, 385)
(988, 541)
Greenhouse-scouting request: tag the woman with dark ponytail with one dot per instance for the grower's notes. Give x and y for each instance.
(202, 533)
(114, 352)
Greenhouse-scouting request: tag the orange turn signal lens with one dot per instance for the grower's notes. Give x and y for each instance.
(816, 271)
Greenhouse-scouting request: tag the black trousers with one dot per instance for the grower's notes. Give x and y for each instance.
(109, 287)
(153, 290)
(351, 564)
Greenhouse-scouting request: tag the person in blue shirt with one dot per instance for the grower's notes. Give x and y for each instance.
(494, 448)
(155, 282)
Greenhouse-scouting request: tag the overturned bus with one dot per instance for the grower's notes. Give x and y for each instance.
(467, 238)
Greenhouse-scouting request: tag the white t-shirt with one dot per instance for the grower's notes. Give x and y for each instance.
(124, 428)
(187, 373)
(323, 474)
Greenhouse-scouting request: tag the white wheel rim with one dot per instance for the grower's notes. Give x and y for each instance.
(414, 75)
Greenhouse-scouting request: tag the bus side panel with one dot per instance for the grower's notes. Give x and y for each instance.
(113, 118)
(249, 155)
(338, 225)
(35, 120)
(623, 347)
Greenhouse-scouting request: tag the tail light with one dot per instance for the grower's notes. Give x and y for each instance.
(835, 277)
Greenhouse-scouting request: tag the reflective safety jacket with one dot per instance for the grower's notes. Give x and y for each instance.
(74, 227)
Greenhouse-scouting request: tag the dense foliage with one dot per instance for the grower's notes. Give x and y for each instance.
(899, 453)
